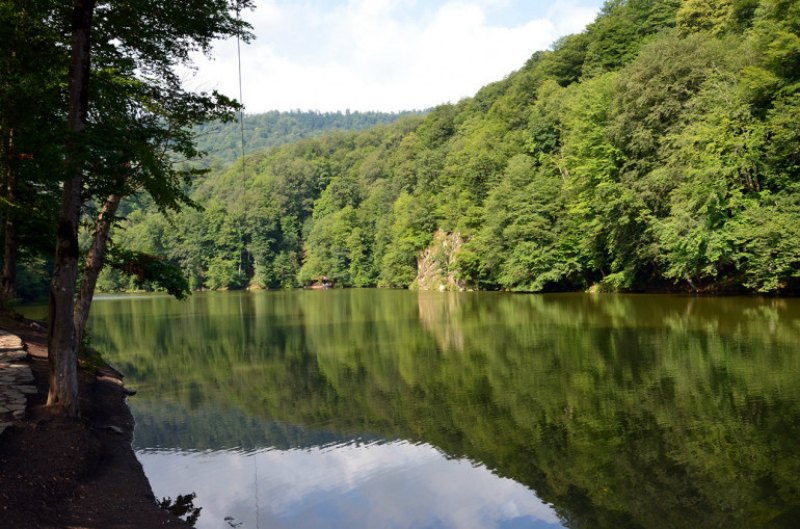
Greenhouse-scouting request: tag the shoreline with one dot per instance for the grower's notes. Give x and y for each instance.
(705, 293)
(59, 473)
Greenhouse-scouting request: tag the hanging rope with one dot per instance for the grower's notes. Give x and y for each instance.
(241, 99)
(241, 122)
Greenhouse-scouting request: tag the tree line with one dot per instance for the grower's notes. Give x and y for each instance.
(223, 141)
(656, 150)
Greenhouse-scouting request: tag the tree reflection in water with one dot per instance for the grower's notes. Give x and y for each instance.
(619, 410)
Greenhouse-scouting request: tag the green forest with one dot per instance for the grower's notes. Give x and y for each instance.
(657, 150)
(222, 141)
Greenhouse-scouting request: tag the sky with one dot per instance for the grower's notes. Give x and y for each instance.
(383, 55)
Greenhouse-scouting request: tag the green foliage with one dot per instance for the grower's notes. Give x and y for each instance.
(657, 149)
(222, 274)
(222, 141)
(704, 15)
(412, 231)
(33, 279)
(137, 125)
(31, 140)
(144, 269)
(767, 238)
(617, 35)
(565, 65)
(90, 358)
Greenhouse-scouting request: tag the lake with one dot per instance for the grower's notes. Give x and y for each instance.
(385, 408)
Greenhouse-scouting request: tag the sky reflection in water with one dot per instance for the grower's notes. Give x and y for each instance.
(353, 485)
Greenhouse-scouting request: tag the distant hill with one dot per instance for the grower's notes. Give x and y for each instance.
(222, 141)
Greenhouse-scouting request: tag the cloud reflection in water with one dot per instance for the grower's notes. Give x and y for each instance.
(352, 485)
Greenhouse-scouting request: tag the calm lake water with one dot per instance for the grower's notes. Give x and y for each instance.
(380, 408)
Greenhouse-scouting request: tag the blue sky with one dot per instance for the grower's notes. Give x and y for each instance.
(384, 55)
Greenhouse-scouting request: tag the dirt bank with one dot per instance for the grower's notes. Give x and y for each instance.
(58, 473)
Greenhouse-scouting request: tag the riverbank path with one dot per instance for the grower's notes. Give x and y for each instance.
(16, 379)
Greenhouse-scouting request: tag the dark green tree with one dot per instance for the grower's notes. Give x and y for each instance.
(30, 116)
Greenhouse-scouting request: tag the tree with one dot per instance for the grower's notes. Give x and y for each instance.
(412, 231)
(61, 340)
(138, 43)
(145, 132)
(29, 119)
(704, 15)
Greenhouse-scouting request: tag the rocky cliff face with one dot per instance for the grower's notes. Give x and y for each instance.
(435, 266)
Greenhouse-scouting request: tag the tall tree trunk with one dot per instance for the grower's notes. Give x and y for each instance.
(94, 263)
(8, 280)
(62, 346)
(9, 277)
(6, 176)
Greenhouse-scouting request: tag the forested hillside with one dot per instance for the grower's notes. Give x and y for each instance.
(658, 149)
(223, 141)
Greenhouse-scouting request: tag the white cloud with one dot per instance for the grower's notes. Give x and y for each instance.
(380, 54)
(569, 16)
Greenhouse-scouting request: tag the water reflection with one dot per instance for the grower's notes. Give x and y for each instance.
(619, 411)
(376, 485)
